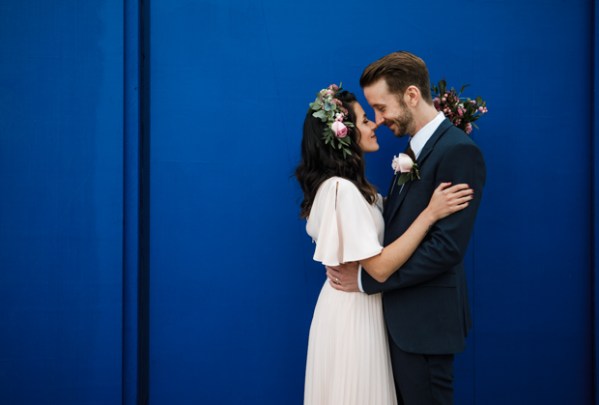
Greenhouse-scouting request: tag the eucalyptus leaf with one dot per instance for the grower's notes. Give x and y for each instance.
(320, 114)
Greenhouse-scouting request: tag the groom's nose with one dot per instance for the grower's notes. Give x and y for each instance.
(378, 119)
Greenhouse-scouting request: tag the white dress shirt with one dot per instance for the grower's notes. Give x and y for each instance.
(417, 143)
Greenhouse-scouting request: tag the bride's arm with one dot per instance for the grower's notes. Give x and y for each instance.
(445, 201)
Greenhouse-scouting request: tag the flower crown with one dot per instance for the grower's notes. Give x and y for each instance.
(330, 110)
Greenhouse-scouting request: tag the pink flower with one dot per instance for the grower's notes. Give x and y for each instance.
(402, 163)
(460, 111)
(333, 87)
(339, 129)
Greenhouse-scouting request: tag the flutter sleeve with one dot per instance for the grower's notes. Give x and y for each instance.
(346, 231)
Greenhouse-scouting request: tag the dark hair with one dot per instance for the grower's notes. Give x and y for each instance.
(400, 70)
(321, 161)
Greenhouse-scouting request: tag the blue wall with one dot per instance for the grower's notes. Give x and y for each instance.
(231, 281)
(61, 166)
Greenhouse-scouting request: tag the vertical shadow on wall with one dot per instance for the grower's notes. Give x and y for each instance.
(144, 205)
(595, 197)
(131, 170)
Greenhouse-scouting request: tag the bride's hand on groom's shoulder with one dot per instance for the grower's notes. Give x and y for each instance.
(344, 277)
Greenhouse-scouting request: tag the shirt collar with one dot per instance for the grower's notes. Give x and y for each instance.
(418, 141)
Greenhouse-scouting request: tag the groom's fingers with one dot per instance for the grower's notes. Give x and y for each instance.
(342, 281)
(333, 276)
(332, 272)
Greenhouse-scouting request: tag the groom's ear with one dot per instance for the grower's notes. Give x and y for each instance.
(412, 96)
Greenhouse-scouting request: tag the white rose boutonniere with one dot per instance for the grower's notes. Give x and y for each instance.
(404, 164)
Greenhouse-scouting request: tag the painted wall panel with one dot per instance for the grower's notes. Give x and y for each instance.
(233, 284)
(61, 208)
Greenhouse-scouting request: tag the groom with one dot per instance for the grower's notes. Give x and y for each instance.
(425, 301)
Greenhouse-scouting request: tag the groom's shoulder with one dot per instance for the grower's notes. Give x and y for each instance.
(455, 136)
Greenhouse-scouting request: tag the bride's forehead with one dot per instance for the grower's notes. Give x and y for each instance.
(358, 109)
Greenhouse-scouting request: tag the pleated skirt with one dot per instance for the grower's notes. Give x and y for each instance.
(348, 356)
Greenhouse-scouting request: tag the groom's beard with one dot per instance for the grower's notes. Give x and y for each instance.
(401, 125)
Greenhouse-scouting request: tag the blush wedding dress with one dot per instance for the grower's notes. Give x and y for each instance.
(348, 355)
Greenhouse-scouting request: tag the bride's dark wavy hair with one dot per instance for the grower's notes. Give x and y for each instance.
(321, 161)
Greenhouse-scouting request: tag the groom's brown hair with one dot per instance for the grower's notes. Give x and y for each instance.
(400, 70)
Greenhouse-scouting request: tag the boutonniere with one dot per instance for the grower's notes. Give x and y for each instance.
(404, 164)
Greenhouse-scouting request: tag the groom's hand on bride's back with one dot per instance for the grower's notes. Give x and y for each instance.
(344, 277)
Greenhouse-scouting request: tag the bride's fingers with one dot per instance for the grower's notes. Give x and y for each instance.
(456, 188)
(462, 200)
(461, 189)
(462, 193)
(460, 207)
(442, 187)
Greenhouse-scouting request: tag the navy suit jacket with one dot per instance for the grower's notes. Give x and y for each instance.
(426, 301)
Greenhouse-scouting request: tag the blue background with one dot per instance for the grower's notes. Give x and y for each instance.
(193, 110)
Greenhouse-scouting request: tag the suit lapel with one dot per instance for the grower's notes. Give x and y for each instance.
(395, 200)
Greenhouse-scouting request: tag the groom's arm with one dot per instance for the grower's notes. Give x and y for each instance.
(446, 244)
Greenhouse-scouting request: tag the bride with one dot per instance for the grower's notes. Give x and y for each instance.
(348, 356)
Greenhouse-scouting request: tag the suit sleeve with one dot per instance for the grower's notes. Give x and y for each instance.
(446, 244)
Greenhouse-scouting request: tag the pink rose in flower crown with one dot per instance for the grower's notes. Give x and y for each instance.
(339, 129)
(330, 110)
(402, 163)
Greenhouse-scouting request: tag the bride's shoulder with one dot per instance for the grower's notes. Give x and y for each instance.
(339, 181)
(339, 185)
